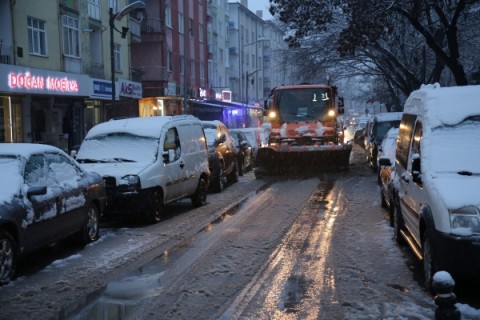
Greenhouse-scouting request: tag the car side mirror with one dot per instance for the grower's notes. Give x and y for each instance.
(416, 171)
(168, 156)
(36, 191)
(384, 162)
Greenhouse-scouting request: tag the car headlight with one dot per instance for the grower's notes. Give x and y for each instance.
(132, 182)
(466, 217)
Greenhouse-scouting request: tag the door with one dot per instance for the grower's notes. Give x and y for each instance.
(174, 165)
(45, 208)
(413, 197)
(192, 169)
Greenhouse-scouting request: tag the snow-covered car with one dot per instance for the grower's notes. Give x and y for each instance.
(244, 152)
(376, 130)
(45, 196)
(437, 206)
(222, 155)
(386, 170)
(146, 163)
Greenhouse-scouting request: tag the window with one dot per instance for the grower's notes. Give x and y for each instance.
(37, 37)
(118, 56)
(172, 142)
(94, 9)
(182, 64)
(168, 16)
(114, 5)
(220, 54)
(190, 26)
(192, 69)
(181, 24)
(200, 33)
(202, 72)
(169, 61)
(71, 40)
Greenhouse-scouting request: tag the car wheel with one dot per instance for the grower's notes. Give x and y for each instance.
(8, 252)
(155, 200)
(240, 167)
(200, 197)
(397, 223)
(428, 264)
(217, 182)
(90, 229)
(233, 176)
(382, 199)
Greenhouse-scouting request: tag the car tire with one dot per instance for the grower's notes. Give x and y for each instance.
(218, 182)
(382, 199)
(397, 224)
(199, 198)
(155, 206)
(233, 175)
(240, 167)
(8, 257)
(428, 263)
(91, 227)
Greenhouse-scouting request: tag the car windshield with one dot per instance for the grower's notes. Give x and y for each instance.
(11, 168)
(304, 104)
(451, 147)
(118, 147)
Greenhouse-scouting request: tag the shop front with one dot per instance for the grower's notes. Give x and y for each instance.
(41, 106)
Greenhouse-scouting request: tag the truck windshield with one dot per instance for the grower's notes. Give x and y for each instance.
(303, 104)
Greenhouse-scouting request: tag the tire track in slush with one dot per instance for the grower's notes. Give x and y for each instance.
(297, 280)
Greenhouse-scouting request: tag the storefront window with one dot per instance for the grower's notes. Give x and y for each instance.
(10, 120)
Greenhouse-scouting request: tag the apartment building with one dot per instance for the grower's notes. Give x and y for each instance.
(56, 63)
(172, 58)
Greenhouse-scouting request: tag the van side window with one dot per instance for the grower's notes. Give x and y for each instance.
(416, 151)
(404, 138)
(172, 142)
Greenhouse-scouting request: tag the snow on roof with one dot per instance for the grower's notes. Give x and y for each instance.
(444, 106)
(145, 127)
(388, 116)
(25, 149)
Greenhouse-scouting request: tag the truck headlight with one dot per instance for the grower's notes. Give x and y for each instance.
(331, 113)
(466, 217)
(132, 182)
(272, 114)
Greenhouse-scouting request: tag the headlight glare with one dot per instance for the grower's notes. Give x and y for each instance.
(466, 217)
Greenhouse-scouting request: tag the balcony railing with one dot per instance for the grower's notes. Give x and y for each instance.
(6, 54)
(152, 73)
(151, 25)
(97, 70)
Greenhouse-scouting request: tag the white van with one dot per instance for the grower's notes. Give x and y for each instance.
(148, 162)
(437, 202)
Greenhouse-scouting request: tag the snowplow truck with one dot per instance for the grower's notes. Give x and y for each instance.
(306, 131)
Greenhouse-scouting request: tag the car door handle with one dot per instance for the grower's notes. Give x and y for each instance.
(182, 164)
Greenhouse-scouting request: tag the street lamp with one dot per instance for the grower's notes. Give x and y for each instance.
(241, 67)
(135, 6)
(247, 77)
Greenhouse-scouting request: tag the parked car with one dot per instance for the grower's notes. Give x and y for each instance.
(359, 135)
(244, 152)
(44, 197)
(257, 137)
(376, 130)
(437, 207)
(222, 155)
(386, 170)
(148, 162)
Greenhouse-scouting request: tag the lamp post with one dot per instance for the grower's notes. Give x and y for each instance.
(241, 67)
(247, 76)
(135, 6)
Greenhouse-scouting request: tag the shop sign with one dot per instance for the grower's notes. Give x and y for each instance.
(130, 89)
(101, 89)
(30, 80)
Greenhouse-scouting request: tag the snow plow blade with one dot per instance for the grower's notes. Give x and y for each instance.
(271, 161)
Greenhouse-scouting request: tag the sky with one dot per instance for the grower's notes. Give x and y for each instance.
(263, 5)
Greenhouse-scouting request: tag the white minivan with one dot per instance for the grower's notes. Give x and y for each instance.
(437, 201)
(148, 162)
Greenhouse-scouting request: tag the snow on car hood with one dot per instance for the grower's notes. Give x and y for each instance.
(456, 190)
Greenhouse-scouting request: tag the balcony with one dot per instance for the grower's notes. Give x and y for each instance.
(97, 70)
(134, 27)
(151, 73)
(6, 54)
(152, 25)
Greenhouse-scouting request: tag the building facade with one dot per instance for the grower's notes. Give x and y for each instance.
(55, 69)
(172, 57)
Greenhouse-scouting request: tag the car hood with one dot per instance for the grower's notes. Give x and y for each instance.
(117, 170)
(456, 190)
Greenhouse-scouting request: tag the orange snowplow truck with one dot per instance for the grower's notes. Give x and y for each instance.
(306, 133)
